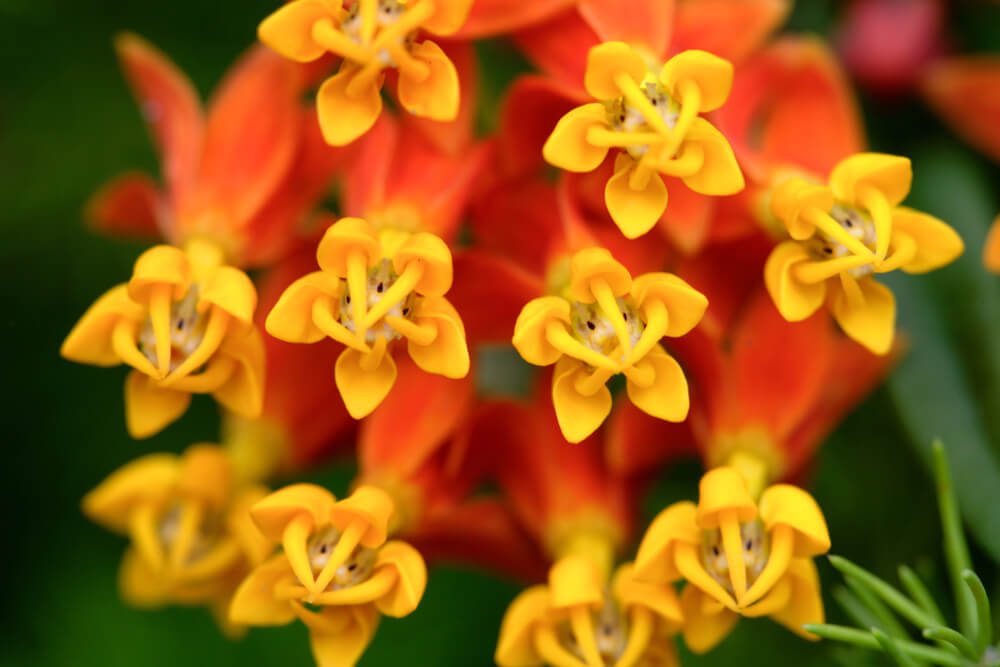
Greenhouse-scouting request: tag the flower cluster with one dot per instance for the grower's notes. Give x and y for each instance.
(676, 195)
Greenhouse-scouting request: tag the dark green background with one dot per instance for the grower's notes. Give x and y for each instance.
(68, 122)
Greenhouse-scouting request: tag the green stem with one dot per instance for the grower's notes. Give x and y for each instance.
(915, 587)
(956, 550)
(866, 640)
(902, 604)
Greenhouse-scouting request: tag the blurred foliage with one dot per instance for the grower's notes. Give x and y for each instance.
(68, 122)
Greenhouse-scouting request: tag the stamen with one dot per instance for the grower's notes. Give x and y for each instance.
(218, 322)
(590, 384)
(881, 214)
(294, 541)
(357, 289)
(639, 178)
(852, 290)
(213, 377)
(608, 303)
(583, 629)
(637, 99)
(641, 631)
(690, 567)
(732, 544)
(335, 41)
(396, 294)
(782, 541)
(559, 338)
(689, 162)
(551, 650)
(826, 224)
(160, 301)
(142, 529)
(325, 321)
(419, 334)
(903, 253)
(690, 103)
(368, 13)
(816, 272)
(657, 320)
(376, 586)
(603, 137)
(775, 600)
(371, 361)
(405, 24)
(362, 80)
(345, 546)
(123, 343)
(187, 532)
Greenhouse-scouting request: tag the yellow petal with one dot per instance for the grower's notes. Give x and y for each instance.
(343, 118)
(592, 264)
(355, 628)
(160, 265)
(243, 390)
(991, 249)
(254, 602)
(205, 474)
(90, 340)
(661, 600)
(291, 317)
(530, 329)
(575, 581)
(363, 390)
(231, 290)
(723, 490)
(667, 397)
(435, 96)
(704, 627)
(870, 320)
(256, 546)
(289, 30)
(275, 512)
(719, 174)
(148, 479)
(149, 408)
(676, 524)
(411, 578)
(711, 74)
(608, 61)
(344, 238)
(794, 299)
(369, 505)
(783, 504)
(434, 257)
(937, 243)
(578, 415)
(792, 197)
(516, 646)
(685, 305)
(567, 147)
(635, 211)
(448, 353)
(138, 584)
(889, 174)
(806, 603)
(448, 16)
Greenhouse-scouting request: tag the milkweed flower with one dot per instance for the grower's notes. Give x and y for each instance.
(605, 323)
(188, 518)
(578, 620)
(371, 36)
(184, 323)
(653, 117)
(371, 290)
(844, 233)
(739, 556)
(337, 572)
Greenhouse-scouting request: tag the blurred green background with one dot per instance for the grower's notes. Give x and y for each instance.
(68, 122)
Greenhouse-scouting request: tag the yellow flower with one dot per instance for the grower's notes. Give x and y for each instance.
(184, 323)
(374, 288)
(653, 117)
(370, 36)
(578, 621)
(605, 324)
(192, 538)
(739, 557)
(337, 572)
(842, 234)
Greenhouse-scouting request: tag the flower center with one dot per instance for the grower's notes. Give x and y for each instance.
(187, 329)
(380, 278)
(627, 119)
(354, 570)
(387, 33)
(856, 223)
(755, 552)
(595, 330)
(610, 634)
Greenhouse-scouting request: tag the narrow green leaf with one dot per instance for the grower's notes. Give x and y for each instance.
(884, 618)
(890, 647)
(915, 587)
(864, 639)
(955, 638)
(984, 618)
(902, 604)
(853, 607)
(956, 549)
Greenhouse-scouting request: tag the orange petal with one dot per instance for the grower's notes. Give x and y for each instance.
(171, 107)
(559, 47)
(489, 292)
(966, 92)
(538, 234)
(128, 207)
(791, 106)
(645, 23)
(497, 17)
(688, 218)
(638, 442)
(251, 137)
(732, 29)
(532, 107)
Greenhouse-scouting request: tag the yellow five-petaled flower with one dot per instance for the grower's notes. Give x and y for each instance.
(842, 234)
(739, 557)
(337, 572)
(372, 289)
(184, 323)
(606, 323)
(578, 621)
(370, 36)
(653, 117)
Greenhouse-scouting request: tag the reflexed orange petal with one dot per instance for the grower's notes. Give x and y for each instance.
(170, 105)
(497, 17)
(129, 207)
(688, 218)
(559, 47)
(638, 442)
(489, 292)
(531, 109)
(966, 92)
(538, 233)
(644, 23)
(791, 105)
(732, 29)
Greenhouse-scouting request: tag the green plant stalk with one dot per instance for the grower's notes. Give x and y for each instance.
(956, 550)
(867, 640)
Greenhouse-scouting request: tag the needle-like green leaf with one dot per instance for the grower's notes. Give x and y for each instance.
(984, 618)
(902, 604)
(956, 549)
(915, 587)
(866, 640)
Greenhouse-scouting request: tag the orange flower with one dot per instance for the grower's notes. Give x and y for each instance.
(242, 176)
